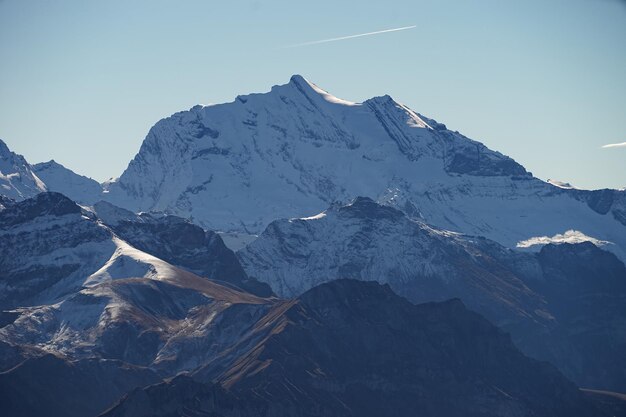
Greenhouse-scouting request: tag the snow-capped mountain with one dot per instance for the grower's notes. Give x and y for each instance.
(552, 302)
(53, 248)
(296, 149)
(58, 178)
(79, 302)
(17, 178)
(20, 180)
(181, 243)
(372, 242)
(137, 309)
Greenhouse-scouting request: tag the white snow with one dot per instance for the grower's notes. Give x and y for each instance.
(235, 241)
(570, 236)
(325, 94)
(561, 184)
(60, 179)
(316, 217)
(129, 262)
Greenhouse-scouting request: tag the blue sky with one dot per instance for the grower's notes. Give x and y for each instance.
(544, 82)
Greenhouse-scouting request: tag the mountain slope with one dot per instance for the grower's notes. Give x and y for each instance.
(296, 149)
(181, 243)
(58, 178)
(564, 304)
(51, 386)
(50, 247)
(350, 348)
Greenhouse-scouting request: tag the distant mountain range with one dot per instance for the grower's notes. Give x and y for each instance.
(387, 246)
(295, 150)
(564, 304)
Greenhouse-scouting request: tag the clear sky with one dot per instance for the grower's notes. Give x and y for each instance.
(543, 81)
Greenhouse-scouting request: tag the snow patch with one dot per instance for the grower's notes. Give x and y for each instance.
(570, 236)
(235, 241)
(561, 184)
(129, 262)
(316, 217)
(327, 96)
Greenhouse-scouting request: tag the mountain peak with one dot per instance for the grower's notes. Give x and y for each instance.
(49, 164)
(302, 83)
(42, 204)
(311, 90)
(365, 207)
(4, 149)
(298, 79)
(347, 292)
(385, 98)
(17, 179)
(6, 153)
(61, 179)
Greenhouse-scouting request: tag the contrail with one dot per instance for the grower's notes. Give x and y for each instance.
(615, 145)
(351, 36)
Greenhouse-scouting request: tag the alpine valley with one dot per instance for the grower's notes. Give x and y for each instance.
(294, 254)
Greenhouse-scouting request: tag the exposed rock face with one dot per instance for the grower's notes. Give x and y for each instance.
(350, 348)
(585, 288)
(5, 202)
(49, 248)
